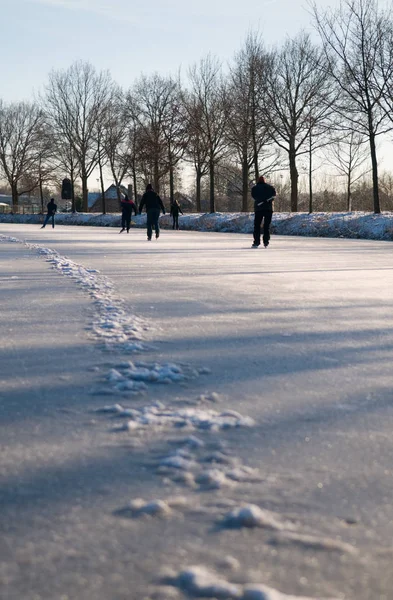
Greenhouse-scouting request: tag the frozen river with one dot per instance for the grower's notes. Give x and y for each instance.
(247, 443)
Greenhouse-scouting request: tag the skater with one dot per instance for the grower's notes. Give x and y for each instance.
(127, 206)
(154, 205)
(263, 195)
(175, 209)
(52, 208)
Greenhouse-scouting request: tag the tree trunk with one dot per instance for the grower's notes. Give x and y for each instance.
(73, 208)
(15, 197)
(294, 179)
(211, 173)
(135, 186)
(118, 193)
(255, 147)
(256, 168)
(41, 194)
(310, 201)
(171, 185)
(245, 185)
(156, 176)
(349, 195)
(85, 202)
(198, 190)
(374, 163)
(102, 191)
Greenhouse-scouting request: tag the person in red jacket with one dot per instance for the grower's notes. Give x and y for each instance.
(127, 206)
(175, 209)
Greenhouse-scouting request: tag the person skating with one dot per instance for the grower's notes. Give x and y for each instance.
(52, 208)
(263, 195)
(154, 205)
(127, 206)
(175, 209)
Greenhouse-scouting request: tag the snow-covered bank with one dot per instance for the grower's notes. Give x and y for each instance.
(348, 225)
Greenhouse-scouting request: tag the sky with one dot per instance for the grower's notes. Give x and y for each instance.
(130, 37)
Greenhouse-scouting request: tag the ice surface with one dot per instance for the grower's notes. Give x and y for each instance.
(197, 463)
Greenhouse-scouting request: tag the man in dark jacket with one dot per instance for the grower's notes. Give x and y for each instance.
(52, 208)
(175, 209)
(263, 195)
(154, 205)
(127, 206)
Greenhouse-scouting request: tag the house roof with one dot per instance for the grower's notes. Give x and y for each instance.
(110, 194)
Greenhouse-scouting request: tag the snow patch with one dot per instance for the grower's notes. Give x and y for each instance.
(188, 418)
(156, 508)
(153, 508)
(253, 516)
(201, 582)
(198, 581)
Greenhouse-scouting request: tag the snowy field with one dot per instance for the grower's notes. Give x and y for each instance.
(188, 417)
(358, 225)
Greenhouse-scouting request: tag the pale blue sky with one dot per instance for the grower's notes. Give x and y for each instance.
(129, 37)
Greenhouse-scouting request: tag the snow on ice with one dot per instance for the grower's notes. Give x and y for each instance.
(112, 324)
(253, 516)
(194, 418)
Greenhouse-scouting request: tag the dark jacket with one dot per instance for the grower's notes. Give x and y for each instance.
(52, 208)
(263, 195)
(152, 202)
(175, 209)
(127, 206)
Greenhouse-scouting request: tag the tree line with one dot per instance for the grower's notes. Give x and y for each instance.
(265, 112)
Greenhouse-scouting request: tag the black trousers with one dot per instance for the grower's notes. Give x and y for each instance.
(265, 215)
(175, 217)
(126, 221)
(152, 221)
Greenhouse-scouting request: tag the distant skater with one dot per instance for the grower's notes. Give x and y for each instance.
(52, 208)
(175, 209)
(263, 195)
(154, 206)
(127, 206)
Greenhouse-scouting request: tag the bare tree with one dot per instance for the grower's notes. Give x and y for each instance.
(348, 155)
(75, 102)
(197, 150)
(297, 98)
(150, 102)
(47, 164)
(176, 135)
(355, 39)
(208, 86)
(247, 131)
(116, 140)
(67, 162)
(20, 128)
